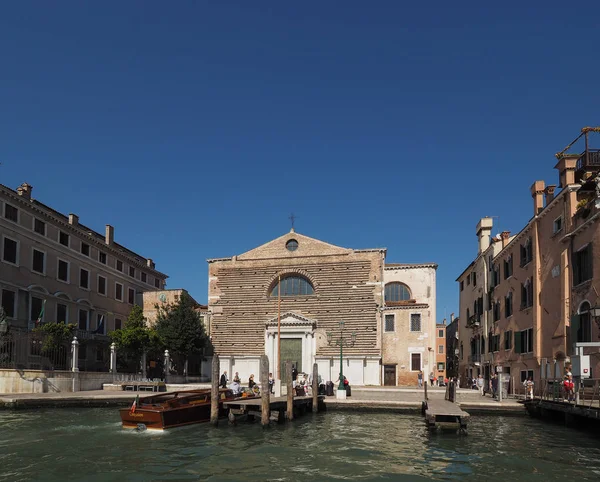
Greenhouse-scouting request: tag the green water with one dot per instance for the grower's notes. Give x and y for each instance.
(89, 445)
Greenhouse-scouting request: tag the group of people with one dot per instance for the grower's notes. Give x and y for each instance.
(433, 381)
(236, 383)
(298, 385)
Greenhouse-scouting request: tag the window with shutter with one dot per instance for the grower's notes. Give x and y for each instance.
(518, 348)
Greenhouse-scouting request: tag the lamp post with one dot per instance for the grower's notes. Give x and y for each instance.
(341, 342)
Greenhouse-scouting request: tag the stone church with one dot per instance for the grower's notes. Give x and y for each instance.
(308, 286)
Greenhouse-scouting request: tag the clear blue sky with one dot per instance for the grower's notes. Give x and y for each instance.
(195, 128)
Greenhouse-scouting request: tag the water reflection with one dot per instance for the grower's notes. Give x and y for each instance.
(88, 444)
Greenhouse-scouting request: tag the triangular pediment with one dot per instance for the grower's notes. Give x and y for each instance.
(292, 319)
(306, 246)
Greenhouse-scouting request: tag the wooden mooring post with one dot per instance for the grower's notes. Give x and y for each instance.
(425, 385)
(214, 394)
(265, 391)
(315, 388)
(290, 390)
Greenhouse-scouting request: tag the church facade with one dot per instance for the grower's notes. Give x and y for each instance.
(303, 288)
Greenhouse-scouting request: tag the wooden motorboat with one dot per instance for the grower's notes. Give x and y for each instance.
(173, 409)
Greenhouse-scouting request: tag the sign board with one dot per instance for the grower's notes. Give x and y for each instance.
(581, 366)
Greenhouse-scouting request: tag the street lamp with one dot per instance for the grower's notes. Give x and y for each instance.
(341, 342)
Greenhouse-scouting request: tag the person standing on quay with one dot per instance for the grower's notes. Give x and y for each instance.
(528, 388)
(420, 379)
(480, 384)
(224, 380)
(431, 378)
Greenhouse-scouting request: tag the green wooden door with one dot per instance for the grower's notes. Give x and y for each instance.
(291, 350)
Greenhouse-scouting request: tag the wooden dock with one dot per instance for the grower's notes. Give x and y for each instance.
(444, 414)
(251, 407)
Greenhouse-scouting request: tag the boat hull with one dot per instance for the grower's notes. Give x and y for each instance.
(169, 410)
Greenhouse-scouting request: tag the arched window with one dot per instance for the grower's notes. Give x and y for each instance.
(584, 330)
(293, 286)
(395, 292)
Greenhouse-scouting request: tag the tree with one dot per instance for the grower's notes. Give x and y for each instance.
(55, 335)
(134, 339)
(180, 329)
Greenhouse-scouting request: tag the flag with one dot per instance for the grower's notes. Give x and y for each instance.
(135, 403)
(100, 327)
(39, 318)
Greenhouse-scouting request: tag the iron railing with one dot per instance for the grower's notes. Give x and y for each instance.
(585, 392)
(27, 350)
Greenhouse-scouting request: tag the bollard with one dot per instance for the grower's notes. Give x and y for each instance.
(167, 365)
(315, 388)
(290, 390)
(214, 393)
(425, 385)
(265, 391)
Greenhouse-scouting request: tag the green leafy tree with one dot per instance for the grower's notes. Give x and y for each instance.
(134, 339)
(55, 335)
(180, 329)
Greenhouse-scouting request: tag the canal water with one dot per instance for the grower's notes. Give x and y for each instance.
(89, 445)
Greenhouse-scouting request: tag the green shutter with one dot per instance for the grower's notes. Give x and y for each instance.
(518, 342)
(574, 329)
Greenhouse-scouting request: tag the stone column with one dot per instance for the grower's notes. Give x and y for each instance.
(74, 354)
(113, 358)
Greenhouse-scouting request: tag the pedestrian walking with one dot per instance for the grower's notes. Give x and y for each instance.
(420, 379)
(431, 378)
(480, 383)
(223, 381)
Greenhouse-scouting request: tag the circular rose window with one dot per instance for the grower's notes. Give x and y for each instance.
(292, 245)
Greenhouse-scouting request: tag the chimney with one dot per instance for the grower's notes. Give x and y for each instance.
(537, 193)
(484, 229)
(73, 219)
(150, 263)
(549, 192)
(444, 321)
(504, 236)
(566, 170)
(24, 190)
(110, 235)
(451, 317)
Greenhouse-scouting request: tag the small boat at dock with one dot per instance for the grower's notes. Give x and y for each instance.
(173, 409)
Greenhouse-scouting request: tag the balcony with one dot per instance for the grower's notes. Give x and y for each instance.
(473, 321)
(589, 161)
(475, 358)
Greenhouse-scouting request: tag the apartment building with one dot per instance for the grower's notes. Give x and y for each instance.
(440, 350)
(542, 292)
(474, 295)
(452, 347)
(54, 267)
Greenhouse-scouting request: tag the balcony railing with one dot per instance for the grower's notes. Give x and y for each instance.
(475, 358)
(473, 321)
(588, 161)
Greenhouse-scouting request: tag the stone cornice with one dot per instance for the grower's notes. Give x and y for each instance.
(392, 266)
(298, 320)
(405, 307)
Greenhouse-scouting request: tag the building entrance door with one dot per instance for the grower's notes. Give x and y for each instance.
(389, 375)
(291, 350)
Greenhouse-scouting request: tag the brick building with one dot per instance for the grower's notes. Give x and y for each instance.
(440, 350)
(541, 290)
(310, 286)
